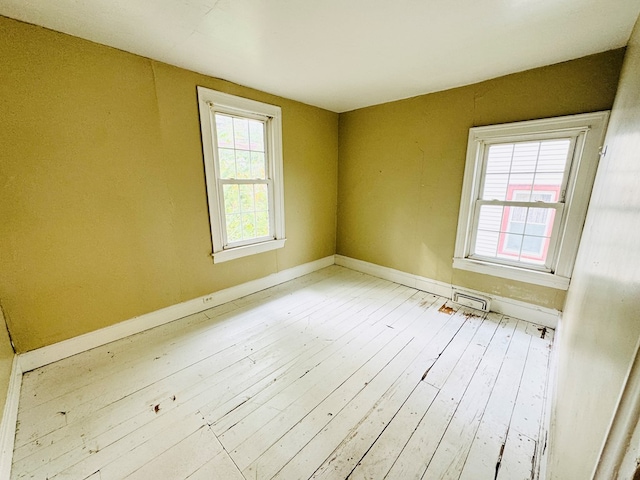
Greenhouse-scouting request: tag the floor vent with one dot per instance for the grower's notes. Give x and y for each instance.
(472, 300)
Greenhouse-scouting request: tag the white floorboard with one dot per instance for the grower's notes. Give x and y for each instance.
(333, 375)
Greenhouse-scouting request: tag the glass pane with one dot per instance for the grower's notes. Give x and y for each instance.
(491, 218)
(224, 130)
(540, 221)
(495, 186)
(531, 245)
(499, 158)
(520, 185)
(261, 198)
(243, 164)
(511, 245)
(525, 157)
(516, 219)
(486, 243)
(534, 250)
(256, 136)
(248, 225)
(246, 198)
(227, 163)
(241, 133)
(257, 165)
(553, 155)
(231, 198)
(549, 184)
(262, 224)
(234, 228)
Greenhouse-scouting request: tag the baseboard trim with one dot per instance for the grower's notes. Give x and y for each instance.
(9, 419)
(526, 311)
(52, 353)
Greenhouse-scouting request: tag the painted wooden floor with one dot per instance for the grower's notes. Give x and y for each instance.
(334, 375)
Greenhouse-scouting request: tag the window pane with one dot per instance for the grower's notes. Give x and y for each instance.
(549, 182)
(231, 199)
(534, 250)
(261, 198)
(248, 225)
(486, 243)
(540, 221)
(495, 186)
(234, 229)
(499, 158)
(246, 198)
(256, 136)
(511, 246)
(490, 218)
(257, 165)
(224, 130)
(227, 163)
(553, 155)
(525, 157)
(243, 164)
(520, 185)
(262, 224)
(241, 133)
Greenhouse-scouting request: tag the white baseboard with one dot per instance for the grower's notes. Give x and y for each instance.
(9, 419)
(514, 308)
(52, 353)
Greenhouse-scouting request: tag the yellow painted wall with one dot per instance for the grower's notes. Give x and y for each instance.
(102, 191)
(6, 362)
(401, 166)
(601, 322)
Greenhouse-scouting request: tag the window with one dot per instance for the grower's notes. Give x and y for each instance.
(525, 194)
(242, 146)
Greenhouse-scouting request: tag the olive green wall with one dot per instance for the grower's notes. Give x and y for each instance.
(600, 324)
(6, 362)
(401, 166)
(102, 199)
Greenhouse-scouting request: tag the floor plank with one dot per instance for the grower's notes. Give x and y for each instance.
(333, 375)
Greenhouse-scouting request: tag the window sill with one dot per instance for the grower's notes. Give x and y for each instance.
(513, 273)
(238, 252)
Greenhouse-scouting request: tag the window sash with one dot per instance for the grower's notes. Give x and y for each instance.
(553, 239)
(210, 103)
(572, 137)
(269, 172)
(588, 130)
(223, 212)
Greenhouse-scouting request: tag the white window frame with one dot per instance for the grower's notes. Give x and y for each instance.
(588, 131)
(211, 102)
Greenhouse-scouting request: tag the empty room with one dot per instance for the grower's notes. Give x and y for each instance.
(278, 239)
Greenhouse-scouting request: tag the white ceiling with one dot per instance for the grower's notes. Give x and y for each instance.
(344, 54)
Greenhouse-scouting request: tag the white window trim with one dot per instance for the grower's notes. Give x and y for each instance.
(591, 129)
(210, 101)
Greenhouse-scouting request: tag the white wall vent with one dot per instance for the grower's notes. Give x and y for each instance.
(471, 300)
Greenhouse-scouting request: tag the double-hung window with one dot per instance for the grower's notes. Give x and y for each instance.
(242, 146)
(525, 195)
